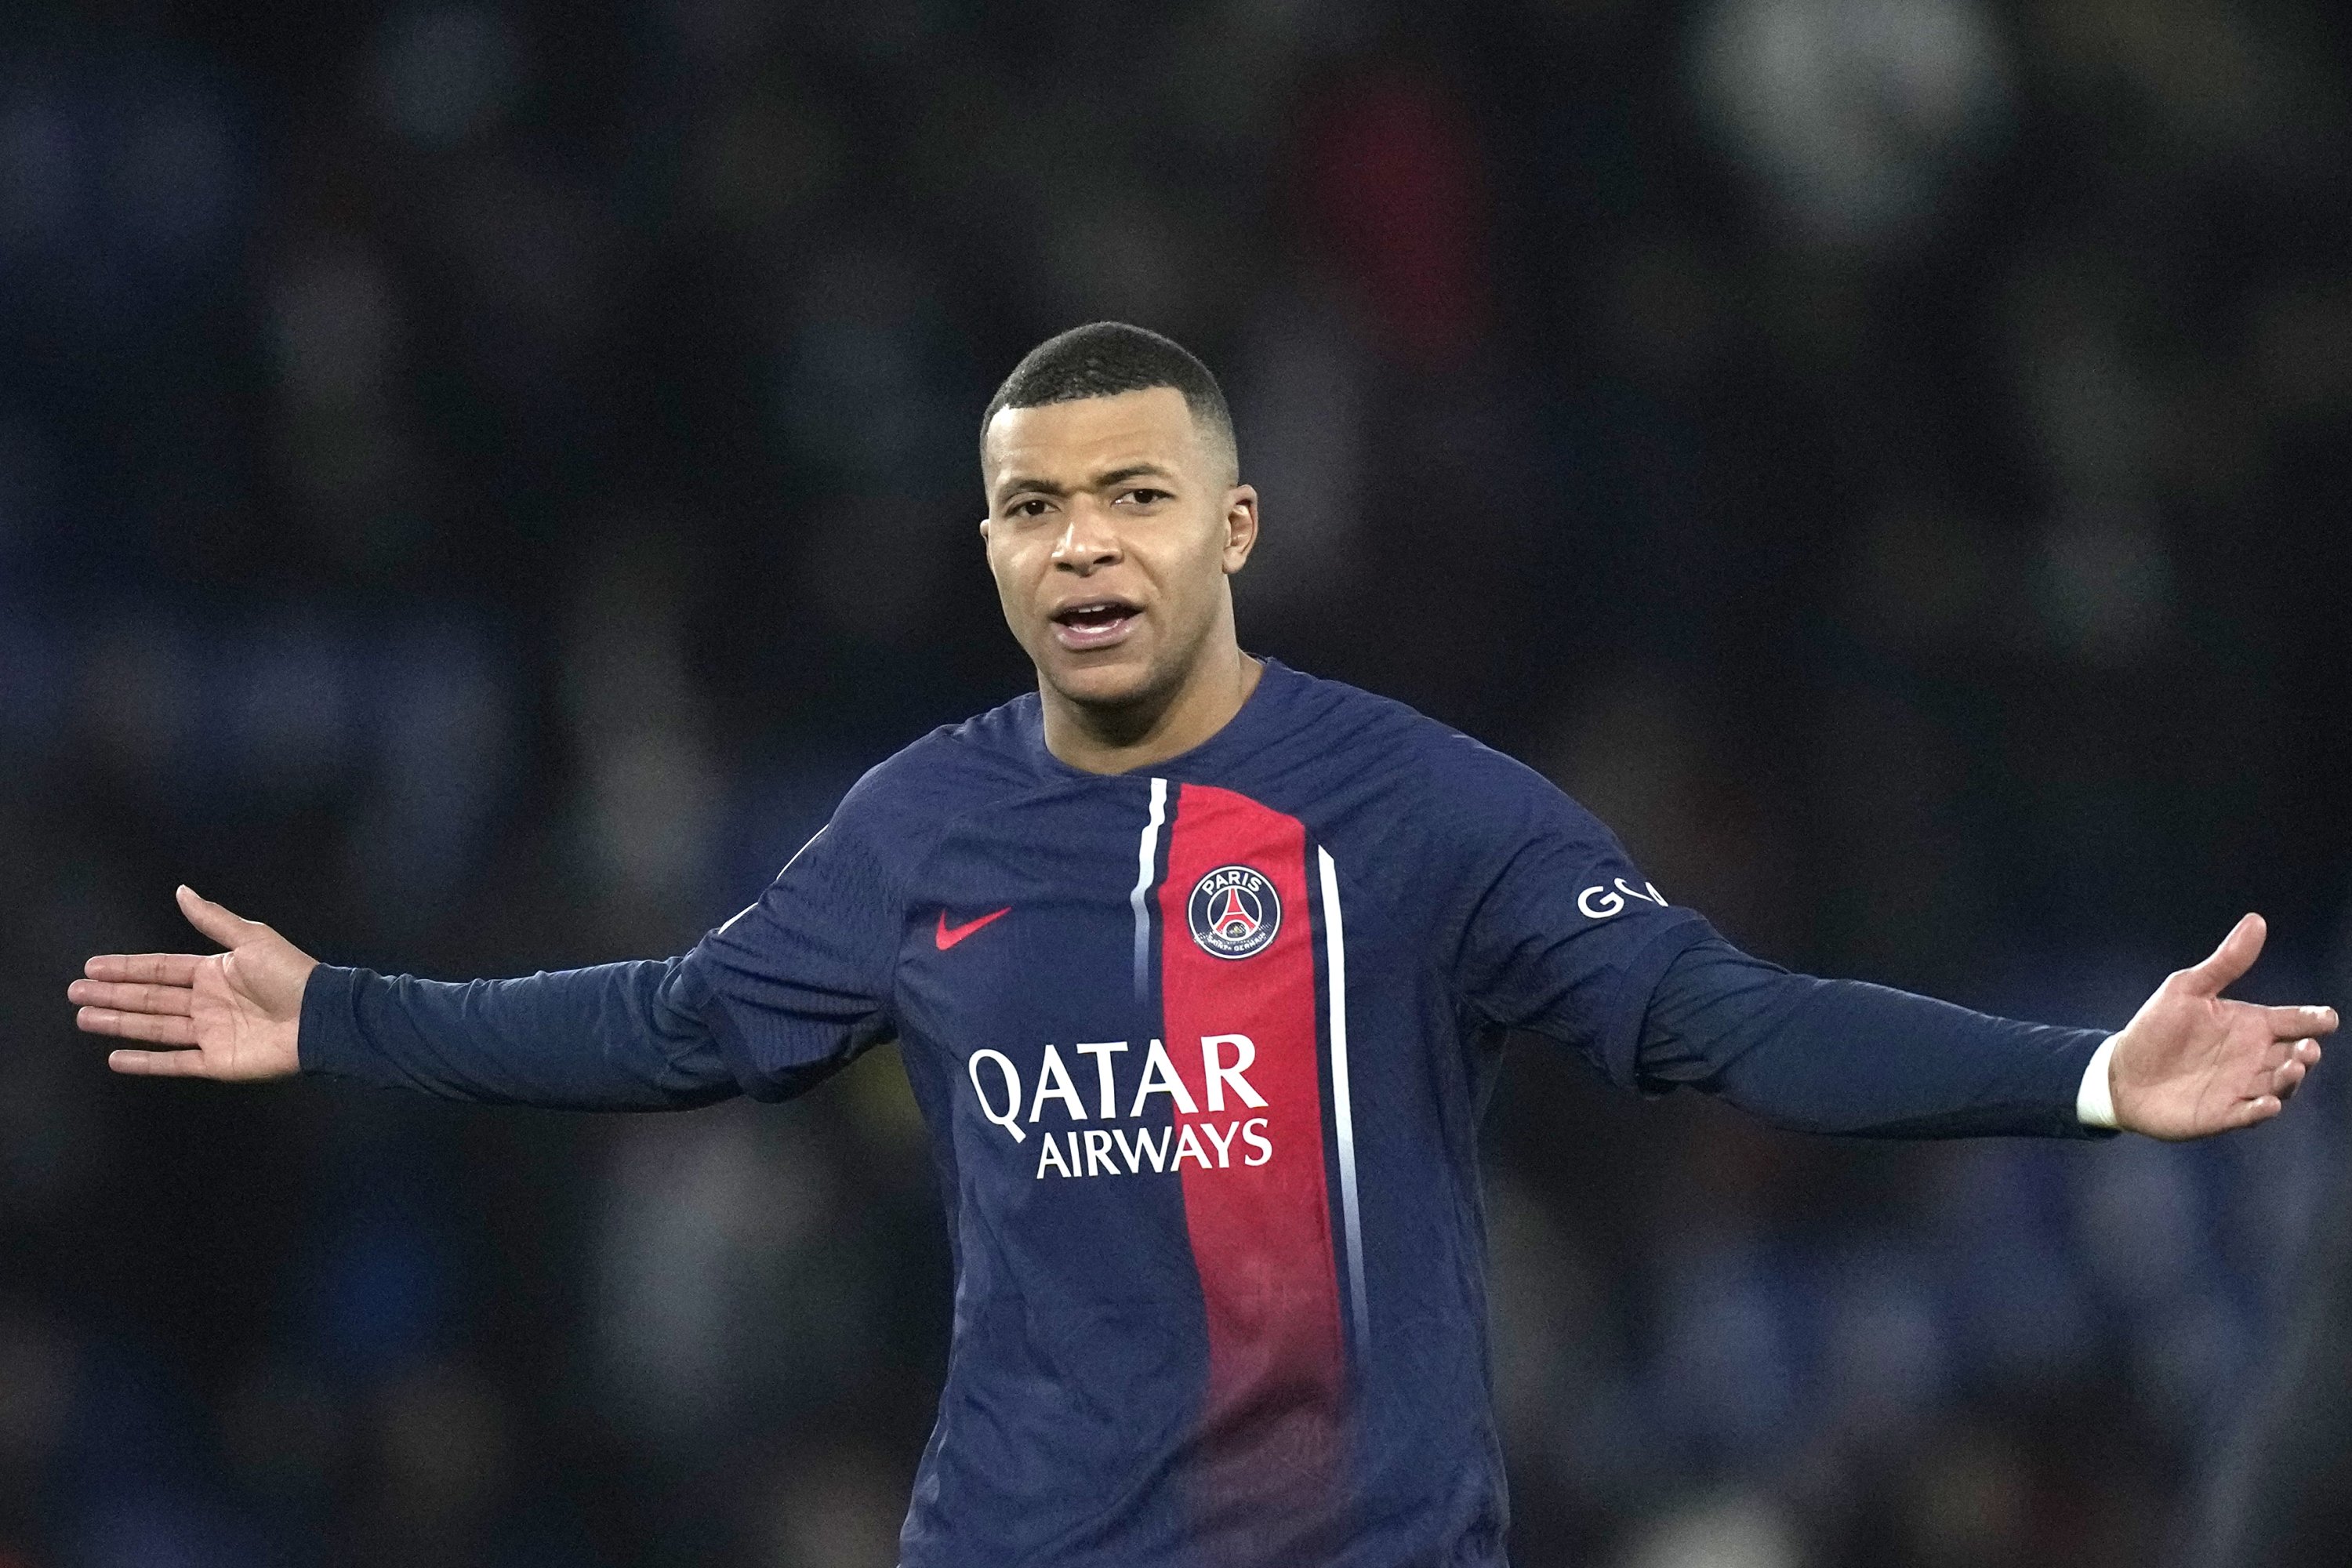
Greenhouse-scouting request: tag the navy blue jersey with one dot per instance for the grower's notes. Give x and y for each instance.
(1203, 1050)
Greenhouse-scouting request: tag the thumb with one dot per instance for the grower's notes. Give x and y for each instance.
(2232, 959)
(215, 921)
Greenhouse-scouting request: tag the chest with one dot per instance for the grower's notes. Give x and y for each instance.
(1066, 936)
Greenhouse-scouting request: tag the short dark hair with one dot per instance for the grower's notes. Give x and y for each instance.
(1103, 359)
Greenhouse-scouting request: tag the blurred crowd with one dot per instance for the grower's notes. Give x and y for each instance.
(479, 478)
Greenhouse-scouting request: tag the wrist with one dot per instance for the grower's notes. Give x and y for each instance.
(2095, 1101)
(324, 1017)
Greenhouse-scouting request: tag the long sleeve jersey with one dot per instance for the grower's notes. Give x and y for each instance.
(1203, 1051)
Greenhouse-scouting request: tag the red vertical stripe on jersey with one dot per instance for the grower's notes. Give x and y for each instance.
(1261, 1234)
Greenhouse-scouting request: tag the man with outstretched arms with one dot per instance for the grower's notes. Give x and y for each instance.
(1201, 967)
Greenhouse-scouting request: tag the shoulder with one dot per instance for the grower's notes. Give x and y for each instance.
(1416, 799)
(1403, 749)
(1335, 725)
(932, 780)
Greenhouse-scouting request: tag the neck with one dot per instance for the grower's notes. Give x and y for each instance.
(1107, 740)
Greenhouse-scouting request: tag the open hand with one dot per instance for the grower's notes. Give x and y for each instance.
(231, 1015)
(2191, 1063)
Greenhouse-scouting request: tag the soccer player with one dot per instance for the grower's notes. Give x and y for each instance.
(1201, 968)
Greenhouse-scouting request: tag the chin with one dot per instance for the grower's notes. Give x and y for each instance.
(1106, 684)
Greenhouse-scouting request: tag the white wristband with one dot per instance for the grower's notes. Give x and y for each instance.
(2095, 1102)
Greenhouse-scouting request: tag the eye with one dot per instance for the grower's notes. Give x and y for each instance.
(1143, 495)
(1033, 507)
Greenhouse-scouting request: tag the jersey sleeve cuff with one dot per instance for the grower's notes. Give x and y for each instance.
(2095, 1103)
(328, 1038)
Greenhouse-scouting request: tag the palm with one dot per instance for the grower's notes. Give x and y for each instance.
(233, 1014)
(235, 1024)
(2193, 1062)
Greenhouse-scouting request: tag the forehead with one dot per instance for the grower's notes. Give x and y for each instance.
(1067, 442)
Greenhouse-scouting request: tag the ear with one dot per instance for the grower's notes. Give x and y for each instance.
(1241, 527)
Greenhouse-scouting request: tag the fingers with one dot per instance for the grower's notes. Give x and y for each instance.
(2291, 1023)
(2232, 959)
(2274, 1085)
(144, 968)
(226, 929)
(2282, 1051)
(162, 1028)
(2261, 1109)
(131, 998)
(2287, 1076)
(157, 1064)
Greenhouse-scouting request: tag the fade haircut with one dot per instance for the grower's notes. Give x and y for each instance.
(1103, 359)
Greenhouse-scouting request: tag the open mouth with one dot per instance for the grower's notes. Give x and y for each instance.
(1092, 623)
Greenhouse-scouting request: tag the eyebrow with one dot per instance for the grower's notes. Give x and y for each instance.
(1100, 482)
(1132, 471)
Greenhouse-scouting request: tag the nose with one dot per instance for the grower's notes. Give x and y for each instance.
(1088, 541)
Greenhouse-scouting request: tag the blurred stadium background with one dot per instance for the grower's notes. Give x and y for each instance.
(478, 479)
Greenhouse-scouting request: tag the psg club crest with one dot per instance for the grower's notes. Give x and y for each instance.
(1233, 911)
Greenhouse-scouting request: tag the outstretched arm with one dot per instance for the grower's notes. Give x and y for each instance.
(614, 1036)
(1837, 1056)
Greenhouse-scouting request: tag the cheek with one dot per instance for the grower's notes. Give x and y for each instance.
(1005, 564)
(1182, 574)
(1202, 566)
(1018, 572)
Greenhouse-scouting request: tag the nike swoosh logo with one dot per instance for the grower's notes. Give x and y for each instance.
(950, 935)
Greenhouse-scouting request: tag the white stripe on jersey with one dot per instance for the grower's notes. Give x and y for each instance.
(1334, 953)
(1146, 852)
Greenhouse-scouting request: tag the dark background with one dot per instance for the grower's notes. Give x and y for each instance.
(479, 479)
